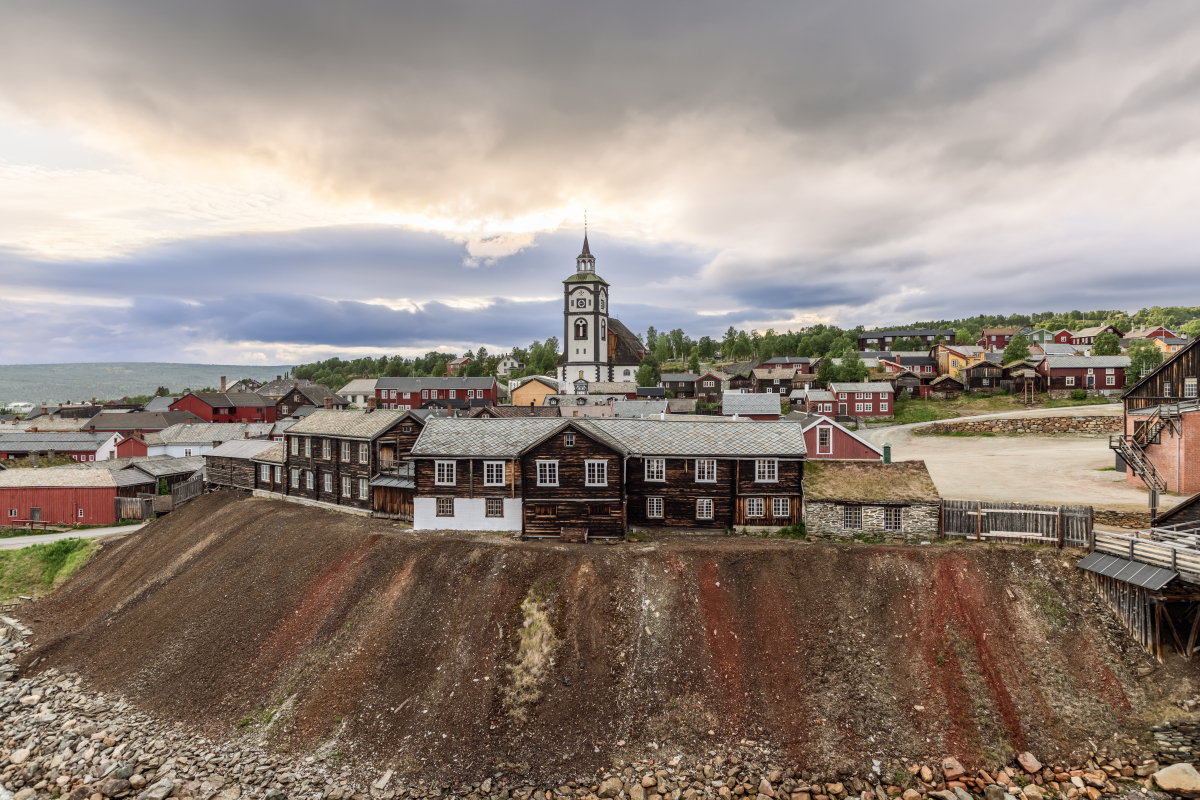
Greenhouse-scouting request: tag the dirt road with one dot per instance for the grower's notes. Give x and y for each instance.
(1021, 469)
(17, 542)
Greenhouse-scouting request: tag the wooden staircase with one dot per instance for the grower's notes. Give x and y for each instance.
(1132, 447)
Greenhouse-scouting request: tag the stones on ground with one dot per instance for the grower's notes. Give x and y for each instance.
(610, 787)
(765, 789)
(24, 794)
(137, 780)
(637, 792)
(1032, 792)
(911, 794)
(961, 794)
(1179, 779)
(952, 769)
(19, 756)
(993, 792)
(115, 787)
(160, 790)
(1029, 763)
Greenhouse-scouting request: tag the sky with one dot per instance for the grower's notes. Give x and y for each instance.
(281, 182)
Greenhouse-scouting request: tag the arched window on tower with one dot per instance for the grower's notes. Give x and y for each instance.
(581, 329)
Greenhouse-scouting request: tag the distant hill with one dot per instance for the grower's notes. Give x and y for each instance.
(55, 383)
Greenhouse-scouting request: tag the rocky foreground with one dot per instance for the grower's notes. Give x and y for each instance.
(59, 739)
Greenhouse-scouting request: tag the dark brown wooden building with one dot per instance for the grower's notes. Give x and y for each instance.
(268, 469)
(310, 394)
(231, 463)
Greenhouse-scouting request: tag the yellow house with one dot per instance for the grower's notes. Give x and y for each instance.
(1169, 346)
(953, 357)
(533, 390)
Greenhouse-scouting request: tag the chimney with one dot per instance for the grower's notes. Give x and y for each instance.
(189, 420)
(222, 383)
(329, 402)
(278, 377)
(371, 402)
(245, 434)
(137, 433)
(45, 410)
(295, 384)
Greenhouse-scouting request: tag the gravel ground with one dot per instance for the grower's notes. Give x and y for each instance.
(1051, 470)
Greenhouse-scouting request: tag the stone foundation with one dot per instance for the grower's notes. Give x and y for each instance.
(1034, 425)
(918, 523)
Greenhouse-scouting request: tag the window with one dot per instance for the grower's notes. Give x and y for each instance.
(445, 506)
(987, 381)
(595, 473)
(279, 474)
(545, 511)
(547, 473)
(470, 394)
(424, 394)
(406, 428)
(494, 506)
(307, 447)
(345, 451)
(324, 448)
(754, 507)
(12, 512)
(407, 395)
(824, 441)
(80, 513)
(1189, 386)
(954, 362)
(364, 491)
(842, 396)
(443, 473)
(1070, 380)
(1166, 388)
(295, 479)
(781, 507)
(829, 408)
(453, 393)
(327, 482)
(656, 469)
(654, 507)
(187, 452)
(364, 453)
(265, 472)
(858, 407)
(1112, 381)
(710, 383)
(766, 470)
(345, 486)
(308, 479)
(891, 519)
(580, 329)
(883, 406)
(852, 518)
(704, 508)
(569, 440)
(706, 470)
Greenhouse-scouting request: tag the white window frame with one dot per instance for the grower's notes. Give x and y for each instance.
(755, 507)
(656, 470)
(569, 439)
(264, 473)
(547, 473)
(346, 490)
(187, 453)
(1111, 380)
(325, 448)
(654, 508)
(781, 507)
(766, 470)
(364, 453)
(1189, 386)
(295, 445)
(346, 452)
(858, 407)
(852, 518)
(444, 473)
(279, 475)
(704, 508)
(1070, 380)
(490, 477)
(453, 394)
(825, 440)
(893, 519)
(364, 489)
(491, 503)
(595, 472)
(424, 394)
(308, 479)
(295, 478)
(328, 482)
(883, 406)
(706, 470)
(308, 447)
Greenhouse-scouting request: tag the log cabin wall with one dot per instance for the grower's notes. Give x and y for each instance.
(333, 465)
(468, 479)
(572, 504)
(790, 476)
(680, 493)
(270, 483)
(1176, 370)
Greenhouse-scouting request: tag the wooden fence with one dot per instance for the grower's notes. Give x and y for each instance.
(1168, 555)
(141, 507)
(188, 490)
(1017, 522)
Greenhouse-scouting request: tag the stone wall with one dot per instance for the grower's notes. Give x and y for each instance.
(1065, 394)
(1018, 425)
(824, 520)
(1177, 741)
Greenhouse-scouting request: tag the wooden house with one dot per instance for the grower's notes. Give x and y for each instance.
(227, 406)
(1097, 375)
(597, 478)
(742, 380)
(857, 499)
(509, 412)
(533, 390)
(311, 395)
(983, 377)
(951, 359)
(405, 394)
(996, 338)
(883, 340)
(58, 495)
(332, 456)
(945, 387)
(268, 469)
(231, 464)
(1088, 335)
(826, 439)
(680, 384)
(864, 399)
(772, 380)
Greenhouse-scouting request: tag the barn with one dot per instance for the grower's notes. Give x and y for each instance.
(58, 495)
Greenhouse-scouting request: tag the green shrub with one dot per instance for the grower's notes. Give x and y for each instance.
(1079, 394)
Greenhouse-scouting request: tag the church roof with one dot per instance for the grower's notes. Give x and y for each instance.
(586, 277)
(586, 252)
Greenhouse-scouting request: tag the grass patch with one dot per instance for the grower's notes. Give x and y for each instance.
(1106, 469)
(534, 653)
(36, 570)
(908, 412)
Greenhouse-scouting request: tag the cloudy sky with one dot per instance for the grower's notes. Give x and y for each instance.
(276, 182)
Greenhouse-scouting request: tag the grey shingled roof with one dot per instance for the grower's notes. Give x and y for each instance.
(1083, 362)
(160, 403)
(241, 448)
(131, 477)
(56, 477)
(637, 409)
(170, 466)
(60, 442)
(234, 399)
(351, 424)
(877, 386)
(687, 438)
(750, 404)
(275, 454)
(209, 432)
(359, 386)
(482, 438)
(678, 376)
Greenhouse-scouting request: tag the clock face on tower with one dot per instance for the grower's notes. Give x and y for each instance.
(581, 302)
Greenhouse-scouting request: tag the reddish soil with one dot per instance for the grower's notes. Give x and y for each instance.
(394, 646)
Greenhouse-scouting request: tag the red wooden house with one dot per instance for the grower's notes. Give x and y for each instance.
(60, 495)
(996, 338)
(227, 406)
(800, 364)
(864, 399)
(825, 439)
(132, 445)
(1103, 375)
(406, 394)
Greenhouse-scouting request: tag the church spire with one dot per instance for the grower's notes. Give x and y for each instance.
(585, 261)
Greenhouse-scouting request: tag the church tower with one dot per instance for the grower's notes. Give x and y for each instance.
(585, 324)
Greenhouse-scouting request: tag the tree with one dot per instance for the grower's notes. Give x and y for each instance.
(1018, 349)
(963, 336)
(481, 354)
(728, 343)
(662, 350)
(1107, 344)
(826, 372)
(852, 369)
(1192, 329)
(694, 363)
(651, 339)
(162, 391)
(708, 347)
(1144, 356)
(649, 373)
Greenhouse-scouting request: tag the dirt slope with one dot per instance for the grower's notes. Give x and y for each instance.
(395, 647)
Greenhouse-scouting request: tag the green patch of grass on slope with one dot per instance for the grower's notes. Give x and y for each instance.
(36, 570)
